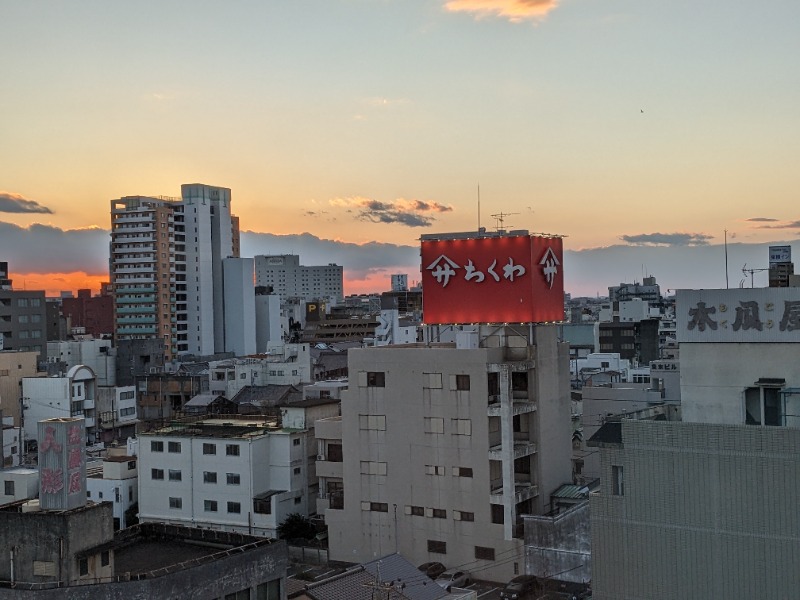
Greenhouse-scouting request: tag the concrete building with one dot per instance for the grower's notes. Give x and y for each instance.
(706, 506)
(446, 446)
(648, 290)
(18, 483)
(116, 412)
(10, 442)
(239, 306)
(97, 354)
(14, 366)
(93, 314)
(289, 279)
(116, 481)
(270, 326)
(23, 321)
(72, 395)
(166, 267)
(242, 474)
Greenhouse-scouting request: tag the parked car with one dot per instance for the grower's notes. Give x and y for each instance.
(451, 579)
(518, 588)
(432, 569)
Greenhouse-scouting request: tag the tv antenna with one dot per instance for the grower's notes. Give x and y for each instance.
(750, 272)
(500, 220)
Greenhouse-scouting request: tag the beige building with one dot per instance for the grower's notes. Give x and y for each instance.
(13, 367)
(446, 446)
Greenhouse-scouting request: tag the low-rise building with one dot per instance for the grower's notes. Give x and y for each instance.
(116, 482)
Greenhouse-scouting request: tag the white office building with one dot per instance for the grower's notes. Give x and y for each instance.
(115, 482)
(289, 279)
(244, 475)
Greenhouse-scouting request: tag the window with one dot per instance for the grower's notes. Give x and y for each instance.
(434, 425)
(462, 383)
(439, 513)
(376, 379)
(379, 507)
(174, 447)
(157, 474)
(434, 470)
(175, 475)
(617, 481)
(210, 505)
(432, 380)
(465, 516)
(209, 448)
(8, 488)
(131, 465)
(234, 507)
(176, 502)
(271, 590)
(262, 506)
(156, 446)
(209, 477)
(83, 566)
(416, 511)
(232, 449)
(437, 547)
(462, 471)
(483, 553)
(497, 514)
(373, 468)
(233, 478)
(296, 442)
(375, 422)
(105, 558)
(462, 426)
(297, 470)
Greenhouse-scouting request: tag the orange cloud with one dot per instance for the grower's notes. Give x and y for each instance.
(514, 10)
(54, 283)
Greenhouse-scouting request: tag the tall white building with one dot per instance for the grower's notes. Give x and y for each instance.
(289, 279)
(240, 306)
(441, 448)
(166, 267)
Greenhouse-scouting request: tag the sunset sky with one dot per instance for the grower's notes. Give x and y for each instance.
(616, 123)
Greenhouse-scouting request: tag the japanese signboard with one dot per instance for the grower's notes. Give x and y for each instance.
(62, 463)
(780, 254)
(738, 315)
(499, 279)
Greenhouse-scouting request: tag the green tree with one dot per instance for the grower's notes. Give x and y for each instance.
(296, 526)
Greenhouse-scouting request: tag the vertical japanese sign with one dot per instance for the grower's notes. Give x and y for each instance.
(62, 463)
(504, 279)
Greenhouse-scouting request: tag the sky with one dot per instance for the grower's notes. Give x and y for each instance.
(640, 130)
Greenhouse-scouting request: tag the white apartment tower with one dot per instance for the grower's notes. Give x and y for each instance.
(166, 267)
(289, 279)
(446, 446)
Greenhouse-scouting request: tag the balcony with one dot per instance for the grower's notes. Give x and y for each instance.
(518, 408)
(125, 310)
(327, 468)
(522, 491)
(142, 299)
(147, 320)
(123, 330)
(521, 448)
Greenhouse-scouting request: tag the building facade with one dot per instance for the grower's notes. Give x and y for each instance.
(289, 279)
(445, 447)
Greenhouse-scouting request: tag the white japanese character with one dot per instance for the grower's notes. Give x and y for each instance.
(491, 270)
(511, 270)
(550, 266)
(473, 273)
(442, 272)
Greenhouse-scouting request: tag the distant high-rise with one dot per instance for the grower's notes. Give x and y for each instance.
(166, 267)
(289, 279)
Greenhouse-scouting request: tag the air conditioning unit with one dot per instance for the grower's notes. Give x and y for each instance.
(320, 457)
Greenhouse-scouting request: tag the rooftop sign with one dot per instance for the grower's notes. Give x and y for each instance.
(738, 315)
(514, 278)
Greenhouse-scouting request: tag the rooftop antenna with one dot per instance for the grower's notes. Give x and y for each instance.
(500, 221)
(479, 206)
(726, 260)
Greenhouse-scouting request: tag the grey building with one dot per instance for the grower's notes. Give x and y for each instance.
(23, 321)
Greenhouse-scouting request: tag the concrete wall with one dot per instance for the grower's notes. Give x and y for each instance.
(560, 547)
(205, 581)
(715, 376)
(706, 511)
(239, 306)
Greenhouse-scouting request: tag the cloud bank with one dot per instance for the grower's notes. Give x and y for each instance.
(15, 203)
(667, 239)
(411, 213)
(47, 249)
(513, 10)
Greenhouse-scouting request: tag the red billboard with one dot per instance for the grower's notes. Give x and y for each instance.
(497, 279)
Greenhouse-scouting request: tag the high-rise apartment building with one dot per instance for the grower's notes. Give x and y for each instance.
(289, 279)
(166, 267)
